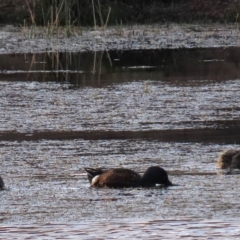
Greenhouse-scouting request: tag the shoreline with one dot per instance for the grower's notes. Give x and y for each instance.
(137, 37)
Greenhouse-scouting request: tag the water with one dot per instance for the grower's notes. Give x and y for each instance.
(150, 229)
(173, 108)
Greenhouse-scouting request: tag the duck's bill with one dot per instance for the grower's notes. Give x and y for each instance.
(172, 184)
(166, 184)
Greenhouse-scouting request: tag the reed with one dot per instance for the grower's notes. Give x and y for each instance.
(68, 12)
(100, 13)
(63, 16)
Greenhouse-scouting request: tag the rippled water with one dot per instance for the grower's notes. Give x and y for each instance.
(50, 130)
(132, 106)
(150, 229)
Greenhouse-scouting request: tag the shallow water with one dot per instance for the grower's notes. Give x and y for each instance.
(134, 117)
(150, 229)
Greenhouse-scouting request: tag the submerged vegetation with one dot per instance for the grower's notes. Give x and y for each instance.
(103, 12)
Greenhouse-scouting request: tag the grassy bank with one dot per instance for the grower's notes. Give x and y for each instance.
(116, 12)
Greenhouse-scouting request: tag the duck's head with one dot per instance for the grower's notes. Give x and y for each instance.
(155, 175)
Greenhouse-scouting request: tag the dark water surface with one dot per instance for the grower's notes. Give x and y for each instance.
(61, 112)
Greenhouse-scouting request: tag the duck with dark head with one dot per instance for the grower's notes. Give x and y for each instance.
(123, 177)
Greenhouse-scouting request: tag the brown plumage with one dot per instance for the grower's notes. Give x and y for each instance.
(122, 177)
(229, 159)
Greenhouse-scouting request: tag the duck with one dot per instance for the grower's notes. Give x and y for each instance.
(229, 159)
(2, 186)
(124, 178)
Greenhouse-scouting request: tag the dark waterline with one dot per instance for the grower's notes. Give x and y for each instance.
(227, 136)
(178, 66)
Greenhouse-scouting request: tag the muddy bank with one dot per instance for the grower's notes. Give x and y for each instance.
(36, 40)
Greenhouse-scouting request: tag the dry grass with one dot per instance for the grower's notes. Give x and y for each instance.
(100, 13)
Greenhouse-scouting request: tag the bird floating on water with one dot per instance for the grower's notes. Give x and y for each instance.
(123, 177)
(229, 159)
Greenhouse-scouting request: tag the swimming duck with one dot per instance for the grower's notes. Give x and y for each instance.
(2, 186)
(229, 159)
(123, 177)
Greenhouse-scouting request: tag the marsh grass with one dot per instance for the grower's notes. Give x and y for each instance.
(103, 12)
(60, 17)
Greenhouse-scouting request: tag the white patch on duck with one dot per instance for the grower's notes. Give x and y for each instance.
(94, 180)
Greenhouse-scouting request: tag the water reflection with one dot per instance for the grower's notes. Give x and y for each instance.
(103, 68)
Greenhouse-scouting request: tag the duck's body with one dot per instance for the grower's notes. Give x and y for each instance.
(122, 177)
(236, 161)
(2, 186)
(229, 159)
